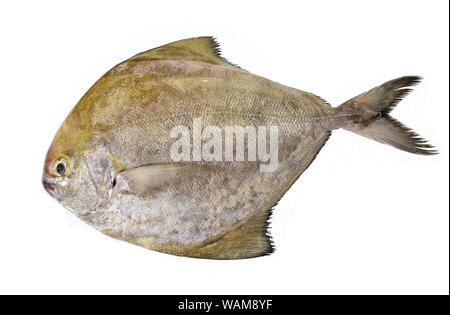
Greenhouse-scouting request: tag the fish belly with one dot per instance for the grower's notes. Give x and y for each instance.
(194, 211)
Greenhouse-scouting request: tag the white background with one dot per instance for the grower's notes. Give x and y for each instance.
(364, 218)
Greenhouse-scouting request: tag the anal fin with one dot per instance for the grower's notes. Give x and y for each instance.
(251, 239)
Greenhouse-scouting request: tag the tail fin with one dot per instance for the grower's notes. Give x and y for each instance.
(373, 120)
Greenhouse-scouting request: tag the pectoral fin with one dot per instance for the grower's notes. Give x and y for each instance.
(144, 179)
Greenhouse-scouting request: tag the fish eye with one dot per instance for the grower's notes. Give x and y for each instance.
(60, 167)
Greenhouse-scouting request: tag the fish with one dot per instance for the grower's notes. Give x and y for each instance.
(141, 155)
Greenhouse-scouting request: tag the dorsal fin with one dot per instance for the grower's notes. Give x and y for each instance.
(204, 49)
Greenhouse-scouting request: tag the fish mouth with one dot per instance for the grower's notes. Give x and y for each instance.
(48, 186)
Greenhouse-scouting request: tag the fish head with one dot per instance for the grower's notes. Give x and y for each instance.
(66, 178)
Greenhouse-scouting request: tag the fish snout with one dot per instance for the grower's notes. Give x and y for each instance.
(48, 181)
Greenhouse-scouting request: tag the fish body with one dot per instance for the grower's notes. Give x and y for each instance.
(112, 161)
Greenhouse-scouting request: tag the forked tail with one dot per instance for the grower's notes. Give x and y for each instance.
(370, 116)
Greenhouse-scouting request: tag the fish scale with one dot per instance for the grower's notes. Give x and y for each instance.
(110, 162)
